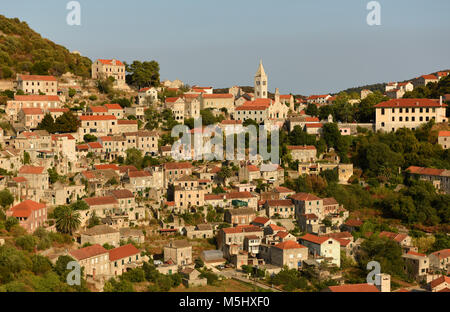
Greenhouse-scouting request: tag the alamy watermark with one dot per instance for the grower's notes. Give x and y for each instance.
(374, 277)
(74, 16)
(207, 143)
(74, 276)
(374, 16)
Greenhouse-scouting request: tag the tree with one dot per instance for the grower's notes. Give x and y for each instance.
(89, 138)
(47, 123)
(106, 85)
(93, 220)
(66, 123)
(72, 92)
(10, 223)
(26, 158)
(6, 198)
(134, 157)
(143, 74)
(26, 242)
(68, 221)
(199, 263)
(312, 110)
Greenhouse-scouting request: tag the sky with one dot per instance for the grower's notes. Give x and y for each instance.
(307, 46)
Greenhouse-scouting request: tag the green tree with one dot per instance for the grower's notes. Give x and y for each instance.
(143, 74)
(6, 198)
(68, 221)
(47, 123)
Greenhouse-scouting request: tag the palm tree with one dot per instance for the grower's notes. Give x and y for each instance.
(68, 221)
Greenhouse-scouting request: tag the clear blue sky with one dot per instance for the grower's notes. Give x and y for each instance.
(307, 46)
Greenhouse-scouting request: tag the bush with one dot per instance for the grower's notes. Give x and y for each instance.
(26, 242)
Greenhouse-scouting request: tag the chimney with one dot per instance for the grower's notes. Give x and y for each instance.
(277, 95)
(385, 282)
(440, 100)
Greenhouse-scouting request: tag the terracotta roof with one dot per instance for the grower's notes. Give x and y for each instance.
(55, 137)
(122, 194)
(182, 165)
(354, 222)
(98, 109)
(27, 169)
(37, 77)
(409, 103)
(242, 229)
(124, 169)
(444, 134)
(429, 77)
(139, 174)
(304, 197)
(95, 118)
(127, 122)
(25, 208)
(340, 235)
(315, 239)
(88, 252)
(95, 145)
(413, 253)
(231, 122)
(123, 252)
(113, 106)
(236, 195)
(425, 171)
(354, 288)
(32, 111)
(279, 202)
(58, 110)
(442, 254)
(19, 179)
(275, 227)
(218, 96)
(106, 167)
(100, 230)
(252, 168)
(104, 200)
(394, 236)
(313, 125)
(261, 220)
(289, 245)
(214, 197)
(172, 99)
(438, 281)
(310, 216)
(110, 62)
(37, 98)
(330, 201)
(282, 189)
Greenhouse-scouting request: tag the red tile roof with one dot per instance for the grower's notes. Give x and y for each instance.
(95, 145)
(442, 254)
(182, 165)
(444, 133)
(354, 222)
(122, 194)
(19, 179)
(97, 201)
(394, 236)
(95, 118)
(354, 288)
(304, 197)
(289, 245)
(123, 252)
(413, 253)
(37, 98)
(32, 111)
(429, 77)
(88, 252)
(425, 171)
(279, 202)
(25, 208)
(113, 106)
(218, 96)
(282, 189)
(37, 77)
(27, 169)
(106, 167)
(242, 229)
(110, 62)
(315, 239)
(127, 122)
(261, 220)
(172, 99)
(98, 109)
(139, 174)
(409, 103)
(438, 281)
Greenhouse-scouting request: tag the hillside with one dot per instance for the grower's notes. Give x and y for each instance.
(22, 50)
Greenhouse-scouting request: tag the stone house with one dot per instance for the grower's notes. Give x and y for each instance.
(30, 214)
(239, 216)
(180, 252)
(288, 253)
(100, 234)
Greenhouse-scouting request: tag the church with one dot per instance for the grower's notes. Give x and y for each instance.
(261, 108)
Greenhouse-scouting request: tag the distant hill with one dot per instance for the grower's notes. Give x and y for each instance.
(22, 50)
